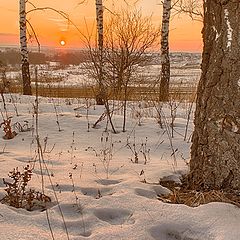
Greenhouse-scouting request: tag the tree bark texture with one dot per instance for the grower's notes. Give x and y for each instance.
(165, 61)
(99, 16)
(23, 49)
(215, 152)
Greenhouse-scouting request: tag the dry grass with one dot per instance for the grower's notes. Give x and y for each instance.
(135, 93)
(193, 198)
(196, 198)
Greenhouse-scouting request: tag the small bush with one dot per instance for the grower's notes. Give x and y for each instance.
(9, 134)
(19, 196)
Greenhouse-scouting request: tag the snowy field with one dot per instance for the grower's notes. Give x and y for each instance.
(185, 70)
(76, 76)
(101, 191)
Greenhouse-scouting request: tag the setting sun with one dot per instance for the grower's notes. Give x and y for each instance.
(185, 34)
(62, 43)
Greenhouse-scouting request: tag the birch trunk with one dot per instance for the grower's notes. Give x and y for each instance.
(165, 62)
(101, 98)
(23, 49)
(99, 16)
(215, 152)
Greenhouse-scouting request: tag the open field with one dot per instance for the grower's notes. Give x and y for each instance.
(177, 91)
(74, 82)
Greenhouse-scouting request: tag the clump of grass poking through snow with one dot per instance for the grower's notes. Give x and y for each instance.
(18, 195)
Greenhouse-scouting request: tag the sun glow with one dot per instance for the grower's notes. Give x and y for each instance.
(62, 43)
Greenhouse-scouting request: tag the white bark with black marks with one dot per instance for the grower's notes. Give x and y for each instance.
(99, 17)
(24, 48)
(165, 61)
(101, 98)
(99, 14)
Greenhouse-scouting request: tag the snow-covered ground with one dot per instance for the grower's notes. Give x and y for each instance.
(73, 76)
(105, 199)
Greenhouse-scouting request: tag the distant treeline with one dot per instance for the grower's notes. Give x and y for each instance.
(13, 57)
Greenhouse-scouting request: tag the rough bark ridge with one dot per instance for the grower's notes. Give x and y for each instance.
(215, 152)
(23, 49)
(165, 62)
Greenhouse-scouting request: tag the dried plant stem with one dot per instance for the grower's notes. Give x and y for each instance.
(43, 163)
(168, 131)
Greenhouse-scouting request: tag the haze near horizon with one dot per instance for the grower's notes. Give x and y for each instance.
(52, 30)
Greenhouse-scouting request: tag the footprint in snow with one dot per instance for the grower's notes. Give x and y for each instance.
(96, 192)
(64, 188)
(70, 211)
(161, 191)
(24, 159)
(173, 231)
(108, 181)
(145, 193)
(79, 227)
(1, 182)
(44, 172)
(2, 194)
(114, 216)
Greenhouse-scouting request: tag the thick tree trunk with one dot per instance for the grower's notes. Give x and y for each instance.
(215, 152)
(99, 15)
(165, 62)
(23, 49)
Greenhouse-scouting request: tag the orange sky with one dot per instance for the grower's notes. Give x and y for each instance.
(185, 34)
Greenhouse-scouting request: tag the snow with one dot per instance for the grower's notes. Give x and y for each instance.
(235, 128)
(217, 34)
(229, 28)
(121, 206)
(185, 71)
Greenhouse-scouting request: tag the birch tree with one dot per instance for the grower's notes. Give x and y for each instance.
(101, 97)
(23, 49)
(99, 17)
(215, 152)
(165, 61)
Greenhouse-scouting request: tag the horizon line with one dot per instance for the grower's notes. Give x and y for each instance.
(78, 48)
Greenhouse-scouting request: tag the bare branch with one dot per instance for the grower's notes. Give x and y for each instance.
(31, 4)
(109, 10)
(61, 13)
(35, 35)
(193, 8)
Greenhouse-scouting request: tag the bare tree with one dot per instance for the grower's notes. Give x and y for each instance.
(215, 152)
(129, 37)
(23, 49)
(95, 67)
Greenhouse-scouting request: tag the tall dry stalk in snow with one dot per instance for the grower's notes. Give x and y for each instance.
(42, 163)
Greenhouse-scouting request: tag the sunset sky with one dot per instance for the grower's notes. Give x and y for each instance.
(185, 34)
